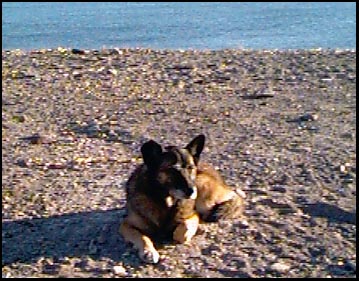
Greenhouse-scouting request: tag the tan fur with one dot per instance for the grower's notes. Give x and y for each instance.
(213, 191)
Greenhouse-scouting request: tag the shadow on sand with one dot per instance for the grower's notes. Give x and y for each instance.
(331, 212)
(92, 233)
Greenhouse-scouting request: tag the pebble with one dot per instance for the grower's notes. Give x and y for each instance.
(39, 139)
(350, 266)
(19, 118)
(51, 269)
(305, 118)
(243, 224)
(78, 52)
(279, 188)
(280, 267)
(22, 163)
(119, 270)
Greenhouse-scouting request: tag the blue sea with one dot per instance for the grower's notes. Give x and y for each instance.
(176, 25)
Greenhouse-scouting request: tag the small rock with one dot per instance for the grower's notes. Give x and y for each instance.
(38, 139)
(78, 52)
(341, 75)
(243, 224)
(308, 117)
(279, 188)
(22, 163)
(349, 178)
(62, 50)
(350, 266)
(280, 267)
(65, 260)
(347, 135)
(18, 118)
(113, 71)
(342, 168)
(305, 118)
(119, 270)
(76, 74)
(51, 269)
(55, 165)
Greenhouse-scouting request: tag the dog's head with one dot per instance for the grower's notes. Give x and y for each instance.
(174, 169)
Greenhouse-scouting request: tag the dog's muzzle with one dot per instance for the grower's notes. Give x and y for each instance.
(194, 193)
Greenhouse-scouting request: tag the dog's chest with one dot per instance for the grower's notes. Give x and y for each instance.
(180, 211)
(183, 209)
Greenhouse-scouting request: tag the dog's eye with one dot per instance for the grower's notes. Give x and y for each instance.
(190, 167)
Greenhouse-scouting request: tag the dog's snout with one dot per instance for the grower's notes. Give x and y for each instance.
(193, 192)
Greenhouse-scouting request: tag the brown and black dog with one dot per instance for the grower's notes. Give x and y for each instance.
(170, 193)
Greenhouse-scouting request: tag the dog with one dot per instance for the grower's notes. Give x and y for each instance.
(160, 196)
(171, 193)
(215, 200)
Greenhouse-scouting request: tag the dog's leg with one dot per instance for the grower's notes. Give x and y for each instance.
(142, 243)
(186, 229)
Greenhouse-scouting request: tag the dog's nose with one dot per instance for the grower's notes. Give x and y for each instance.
(193, 194)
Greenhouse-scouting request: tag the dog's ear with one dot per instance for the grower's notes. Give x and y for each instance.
(151, 154)
(196, 146)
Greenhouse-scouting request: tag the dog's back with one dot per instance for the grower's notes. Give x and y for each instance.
(216, 200)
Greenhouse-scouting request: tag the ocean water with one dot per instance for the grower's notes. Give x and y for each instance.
(176, 25)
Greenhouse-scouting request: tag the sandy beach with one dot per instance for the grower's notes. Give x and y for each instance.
(281, 125)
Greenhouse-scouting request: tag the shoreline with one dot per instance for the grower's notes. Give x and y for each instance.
(89, 50)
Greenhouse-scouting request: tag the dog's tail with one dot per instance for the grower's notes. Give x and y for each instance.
(230, 209)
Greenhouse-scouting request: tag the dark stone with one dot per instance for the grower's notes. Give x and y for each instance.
(77, 52)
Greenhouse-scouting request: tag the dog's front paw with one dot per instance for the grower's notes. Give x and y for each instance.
(150, 256)
(184, 233)
(179, 234)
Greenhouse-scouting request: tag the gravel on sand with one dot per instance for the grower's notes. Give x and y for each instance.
(280, 125)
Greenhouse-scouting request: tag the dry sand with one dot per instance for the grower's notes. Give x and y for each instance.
(279, 124)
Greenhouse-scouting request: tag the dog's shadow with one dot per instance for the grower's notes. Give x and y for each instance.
(93, 234)
(332, 212)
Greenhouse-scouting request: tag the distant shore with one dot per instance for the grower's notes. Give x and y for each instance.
(106, 49)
